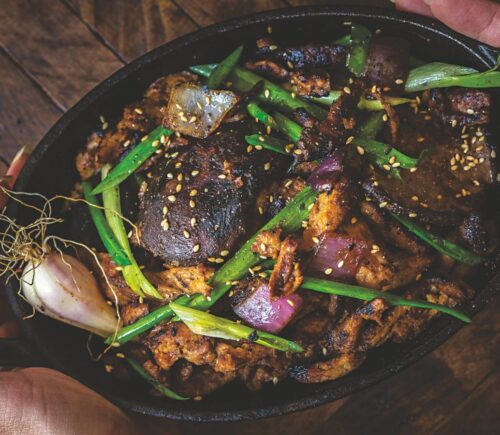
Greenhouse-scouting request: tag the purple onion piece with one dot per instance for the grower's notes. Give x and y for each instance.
(261, 311)
(327, 172)
(338, 257)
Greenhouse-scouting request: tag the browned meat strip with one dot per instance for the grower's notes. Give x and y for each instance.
(176, 281)
(119, 287)
(311, 55)
(268, 68)
(174, 341)
(459, 106)
(287, 273)
(311, 82)
(273, 198)
(480, 233)
(267, 244)
(197, 381)
(132, 312)
(328, 370)
(138, 119)
(195, 207)
(328, 212)
(332, 133)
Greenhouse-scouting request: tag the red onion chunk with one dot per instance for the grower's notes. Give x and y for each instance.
(262, 312)
(327, 172)
(338, 257)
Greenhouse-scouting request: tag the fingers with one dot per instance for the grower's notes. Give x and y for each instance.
(479, 19)
(415, 6)
(40, 400)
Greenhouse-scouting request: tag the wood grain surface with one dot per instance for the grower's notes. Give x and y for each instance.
(54, 51)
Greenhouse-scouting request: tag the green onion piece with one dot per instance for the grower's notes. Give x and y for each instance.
(112, 209)
(212, 326)
(366, 294)
(442, 75)
(134, 159)
(290, 219)
(360, 44)
(343, 40)
(381, 153)
(108, 239)
(139, 369)
(371, 127)
(220, 74)
(287, 126)
(256, 112)
(364, 104)
(145, 323)
(442, 245)
(244, 80)
(267, 142)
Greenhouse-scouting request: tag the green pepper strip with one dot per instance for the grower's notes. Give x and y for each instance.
(366, 294)
(212, 326)
(289, 219)
(223, 69)
(132, 274)
(134, 159)
(278, 121)
(268, 142)
(139, 369)
(442, 245)
(243, 81)
(360, 44)
(108, 239)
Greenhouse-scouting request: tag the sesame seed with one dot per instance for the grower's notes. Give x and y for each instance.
(165, 210)
(420, 139)
(476, 183)
(360, 150)
(184, 118)
(374, 89)
(293, 94)
(347, 90)
(414, 198)
(164, 224)
(383, 204)
(349, 140)
(178, 165)
(195, 173)
(412, 214)
(396, 165)
(170, 175)
(222, 176)
(224, 253)
(275, 380)
(328, 271)
(193, 192)
(180, 177)
(427, 117)
(126, 143)
(207, 99)
(266, 93)
(315, 240)
(258, 147)
(178, 188)
(288, 183)
(454, 123)
(186, 234)
(454, 168)
(171, 198)
(192, 119)
(324, 350)
(340, 264)
(413, 169)
(193, 221)
(399, 81)
(493, 154)
(138, 110)
(385, 117)
(289, 147)
(392, 159)
(192, 204)
(375, 248)
(268, 129)
(387, 167)
(105, 125)
(267, 166)
(470, 111)
(439, 196)
(219, 260)
(353, 220)
(196, 247)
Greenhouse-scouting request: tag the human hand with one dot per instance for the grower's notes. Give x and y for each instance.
(479, 19)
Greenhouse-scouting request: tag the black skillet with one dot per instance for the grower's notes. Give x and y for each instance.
(50, 170)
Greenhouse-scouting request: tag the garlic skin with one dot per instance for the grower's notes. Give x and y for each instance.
(62, 287)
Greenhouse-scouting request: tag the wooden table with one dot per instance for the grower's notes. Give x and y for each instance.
(54, 51)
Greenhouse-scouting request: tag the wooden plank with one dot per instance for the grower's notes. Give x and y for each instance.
(419, 398)
(478, 414)
(206, 12)
(52, 44)
(133, 27)
(26, 113)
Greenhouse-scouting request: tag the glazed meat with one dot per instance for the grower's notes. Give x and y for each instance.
(196, 206)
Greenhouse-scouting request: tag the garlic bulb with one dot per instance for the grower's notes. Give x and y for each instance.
(61, 287)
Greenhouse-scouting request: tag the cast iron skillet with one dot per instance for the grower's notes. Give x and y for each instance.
(50, 170)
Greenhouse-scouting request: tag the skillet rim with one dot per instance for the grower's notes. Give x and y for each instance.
(480, 52)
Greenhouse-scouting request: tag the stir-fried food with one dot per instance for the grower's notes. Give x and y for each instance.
(289, 209)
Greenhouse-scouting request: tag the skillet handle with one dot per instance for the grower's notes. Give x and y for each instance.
(16, 352)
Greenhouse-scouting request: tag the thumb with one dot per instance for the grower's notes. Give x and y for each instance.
(479, 19)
